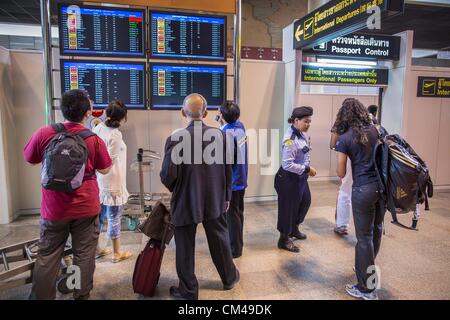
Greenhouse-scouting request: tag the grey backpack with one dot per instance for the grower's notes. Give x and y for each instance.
(64, 161)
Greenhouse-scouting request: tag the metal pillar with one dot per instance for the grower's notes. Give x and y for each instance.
(47, 51)
(237, 52)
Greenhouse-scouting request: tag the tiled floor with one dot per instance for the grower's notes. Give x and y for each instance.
(414, 265)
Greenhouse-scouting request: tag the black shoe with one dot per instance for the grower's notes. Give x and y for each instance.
(231, 286)
(298, 235)
(175, 292)
(237, 255)
(288, 245)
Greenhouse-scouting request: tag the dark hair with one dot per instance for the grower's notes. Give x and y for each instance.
(353, 115)
(75, 104)
(230, 111)
(300, 113)
(373, 109)
(115, 112)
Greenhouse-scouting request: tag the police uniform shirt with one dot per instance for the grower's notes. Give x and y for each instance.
(295, 155)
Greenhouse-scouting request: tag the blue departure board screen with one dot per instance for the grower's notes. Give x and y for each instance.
(106, 81)
(171, 83)
(88, 30)
(186, 36)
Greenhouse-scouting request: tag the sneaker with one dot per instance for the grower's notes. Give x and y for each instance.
(342, 231)
(356, 293)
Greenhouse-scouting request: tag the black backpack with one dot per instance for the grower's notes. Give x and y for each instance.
(404, 177)
(64, 160)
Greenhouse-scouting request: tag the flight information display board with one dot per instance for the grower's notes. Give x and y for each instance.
(186, 36)
(88, 30)
(171, 83)
(106, 81)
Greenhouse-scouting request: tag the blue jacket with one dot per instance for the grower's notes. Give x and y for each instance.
(236, 137)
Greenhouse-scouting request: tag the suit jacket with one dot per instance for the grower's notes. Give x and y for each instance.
(199, 189)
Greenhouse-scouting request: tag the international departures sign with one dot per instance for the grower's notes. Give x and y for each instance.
(359, 46)
(433, 87)
(344, 75)
(337, 18)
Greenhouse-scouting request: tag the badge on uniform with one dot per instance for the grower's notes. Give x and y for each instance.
(288, 142)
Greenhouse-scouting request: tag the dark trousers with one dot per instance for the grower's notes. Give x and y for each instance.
(235, 221)
(219, 247)
(294, 199)
(368, 215)
(84, 233)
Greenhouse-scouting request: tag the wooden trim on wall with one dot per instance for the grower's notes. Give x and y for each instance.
(223, 6)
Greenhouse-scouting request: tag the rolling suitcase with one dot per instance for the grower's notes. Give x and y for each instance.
(148, 264)
(147, 269)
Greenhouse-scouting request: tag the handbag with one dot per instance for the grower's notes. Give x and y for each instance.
(157, 225)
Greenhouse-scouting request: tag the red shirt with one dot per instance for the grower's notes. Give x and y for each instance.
(83, 202)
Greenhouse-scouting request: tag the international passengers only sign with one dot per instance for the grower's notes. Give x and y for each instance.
(364, 76)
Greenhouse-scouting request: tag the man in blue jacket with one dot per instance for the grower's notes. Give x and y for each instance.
(234, 129)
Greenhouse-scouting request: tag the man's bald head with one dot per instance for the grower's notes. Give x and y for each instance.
(194, 106)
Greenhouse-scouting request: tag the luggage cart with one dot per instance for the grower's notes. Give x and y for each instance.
(140, 204)
(26, 252)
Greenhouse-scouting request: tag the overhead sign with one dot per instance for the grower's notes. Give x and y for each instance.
(338, 18)
(433, 87)
(443, 55)
(360, 46)
(344, 75)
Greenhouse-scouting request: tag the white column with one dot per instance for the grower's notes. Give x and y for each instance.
(6, 209)
(394, 99)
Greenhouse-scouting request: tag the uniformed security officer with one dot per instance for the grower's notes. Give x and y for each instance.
(291, 180)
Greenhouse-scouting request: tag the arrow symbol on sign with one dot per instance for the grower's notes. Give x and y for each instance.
(298, 32)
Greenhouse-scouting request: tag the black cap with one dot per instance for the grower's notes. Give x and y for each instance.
(300, 113)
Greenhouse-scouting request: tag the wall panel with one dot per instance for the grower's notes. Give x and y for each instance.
(443, 156)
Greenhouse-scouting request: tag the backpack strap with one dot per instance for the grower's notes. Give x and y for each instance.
(427, 204)
(429, 188)
(58, 127)
(379, 131)
(86, 133)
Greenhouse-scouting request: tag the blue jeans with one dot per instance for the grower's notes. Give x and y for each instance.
(114, 216)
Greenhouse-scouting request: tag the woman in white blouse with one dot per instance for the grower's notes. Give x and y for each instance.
(113, 189)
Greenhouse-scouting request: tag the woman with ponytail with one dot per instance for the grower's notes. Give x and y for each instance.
(113, 189)
(291, 180)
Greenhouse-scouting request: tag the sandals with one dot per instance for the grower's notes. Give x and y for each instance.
(102, 253)
(123, 256)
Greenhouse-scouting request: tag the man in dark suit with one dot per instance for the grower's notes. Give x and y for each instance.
(197, 174)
